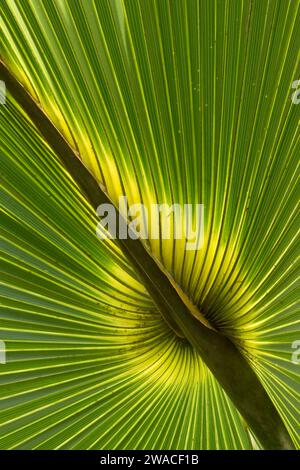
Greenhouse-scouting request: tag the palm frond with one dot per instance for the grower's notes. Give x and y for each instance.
(165, 102)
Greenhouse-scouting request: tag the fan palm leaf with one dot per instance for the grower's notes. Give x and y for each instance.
(164, 102)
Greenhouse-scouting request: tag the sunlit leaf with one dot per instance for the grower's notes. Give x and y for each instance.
(165, 102)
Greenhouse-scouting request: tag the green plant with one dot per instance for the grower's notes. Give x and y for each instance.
(128, 344)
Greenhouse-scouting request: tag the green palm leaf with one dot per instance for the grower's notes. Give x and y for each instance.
(166, 102)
